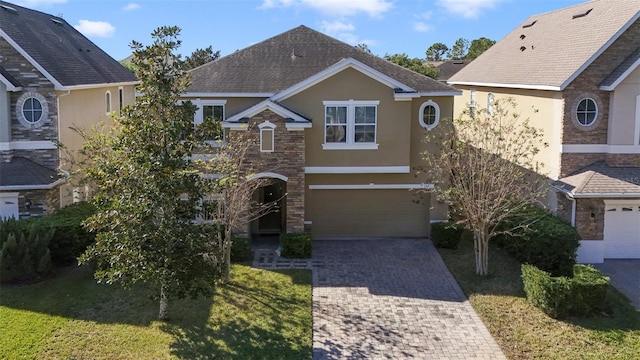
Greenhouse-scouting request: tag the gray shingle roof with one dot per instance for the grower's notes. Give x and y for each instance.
(552, 50)
(4, 73)
(282, 61)
(600, 178)
(450, 67)
(622, 68)
(61, 50)
(24, 172)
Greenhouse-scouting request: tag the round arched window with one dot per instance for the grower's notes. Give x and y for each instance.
(429, 115)
(587, 112)
(31, 109)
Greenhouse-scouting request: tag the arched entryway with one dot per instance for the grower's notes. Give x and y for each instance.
(274, 222)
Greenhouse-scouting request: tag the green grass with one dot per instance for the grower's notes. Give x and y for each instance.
(524, 332)
(258, 314)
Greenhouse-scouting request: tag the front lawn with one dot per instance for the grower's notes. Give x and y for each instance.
(259, 314)
(524, 332)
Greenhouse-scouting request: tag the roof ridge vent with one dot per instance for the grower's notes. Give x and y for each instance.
(582, 14)
(529, 24)
(56, 21)
(9, 9)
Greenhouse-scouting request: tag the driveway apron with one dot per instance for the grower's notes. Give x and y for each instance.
(391, 299)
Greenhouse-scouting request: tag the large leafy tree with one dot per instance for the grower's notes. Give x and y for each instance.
(414, 64)
(200, 57)
(147, 188)
(478, 46)
(487, 161)
(437, 52)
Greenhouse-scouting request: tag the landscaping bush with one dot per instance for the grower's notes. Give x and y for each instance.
(549, 243)
(558, 297)
(24, 254)
(70, 238)
(297, 245)
(446, 235)
(240, 249)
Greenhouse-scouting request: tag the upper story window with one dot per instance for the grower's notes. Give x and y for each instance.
(350, 124)
(429, 115)
(211, 110)
(586, 112)
(120, 98)
(267, 136)
(31, 109)
(107, 101)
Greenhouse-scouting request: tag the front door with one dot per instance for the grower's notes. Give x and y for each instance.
(272, 222)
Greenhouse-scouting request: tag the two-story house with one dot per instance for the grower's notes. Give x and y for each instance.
(340, 131)
(575, 73)
(52, 78)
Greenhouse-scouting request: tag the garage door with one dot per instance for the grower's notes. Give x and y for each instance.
(622, 231)
(367, 213)
(8, 205)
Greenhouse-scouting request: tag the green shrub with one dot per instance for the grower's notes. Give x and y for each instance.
(558, 297)
(446, 235)
(70, 238)
(24, 254)
(548, 242)
(240, 249)
(296, 245)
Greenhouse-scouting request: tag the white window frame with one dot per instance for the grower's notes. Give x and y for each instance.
(490, 103)
(120, 98)
(265, 127)
(202, 218)
(350, 144)
(421, 114)
(10, 200)
(107, 101)
(472, 103)
(199, 115)
(20, 107)
(595, 118)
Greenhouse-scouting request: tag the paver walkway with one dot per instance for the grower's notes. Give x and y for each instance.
(388, 299)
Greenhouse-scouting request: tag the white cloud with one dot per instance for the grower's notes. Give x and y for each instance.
(468, 8)
(339, 8)
(36, 3)
(421, 26)
(95, 28)
(344, 31)
(131, 6)
(335, 27)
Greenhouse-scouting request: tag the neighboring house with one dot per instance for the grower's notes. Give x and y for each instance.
(579, 68)
(51, 78)
(340, 132)
(448, 68)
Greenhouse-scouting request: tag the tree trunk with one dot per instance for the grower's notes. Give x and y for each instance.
(481, 245)
(162, 315)
(226, 248)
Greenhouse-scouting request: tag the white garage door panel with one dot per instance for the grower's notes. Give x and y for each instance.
(8, 205)
(368, 213)
(622, 231)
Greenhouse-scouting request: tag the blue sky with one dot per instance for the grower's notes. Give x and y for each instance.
(386, 26)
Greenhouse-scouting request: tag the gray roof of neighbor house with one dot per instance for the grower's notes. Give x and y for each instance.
(447, 69)
(24, 172)
(63, 52)
(287, 59)
(600, 178)
(549, 50)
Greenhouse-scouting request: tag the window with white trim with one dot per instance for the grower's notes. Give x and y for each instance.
(350, 124)
(429, 114)
(472, 103)
(586, 112)
(120, 98)
(107, 101)
(490, 103)
(267, 139)
(211, 110)
(31, 109)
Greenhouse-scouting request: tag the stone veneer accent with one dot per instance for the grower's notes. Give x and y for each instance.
(288, 159)
(587, 83)
(43, 202)
(590, 228)
(32, 81)
(575, 161)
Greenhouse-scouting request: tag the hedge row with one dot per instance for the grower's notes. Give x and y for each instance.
(558, 297)
(24, 251)
(447, 235)
(296, 245)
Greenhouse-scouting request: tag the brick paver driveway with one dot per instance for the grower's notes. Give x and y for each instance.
(391, 299)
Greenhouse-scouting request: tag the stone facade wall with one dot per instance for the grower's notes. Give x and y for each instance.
(623, 159)
(574, 161)
(288, 159)
(32, 81)
(590, 218)
(43, 202)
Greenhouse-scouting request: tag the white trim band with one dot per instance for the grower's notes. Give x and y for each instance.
(28, 145)
(371, 187)
(600, 148)
(357, 169)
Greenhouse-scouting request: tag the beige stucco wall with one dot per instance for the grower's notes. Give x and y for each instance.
(232, 105)
(544, 109)
(393, 126)
(623, 111)
(83, 109)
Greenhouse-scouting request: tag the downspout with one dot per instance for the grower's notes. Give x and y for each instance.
(573, 209)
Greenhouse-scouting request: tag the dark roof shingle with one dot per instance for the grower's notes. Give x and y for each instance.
(600, 178)
(24, 172)
(287, 59)
(61, 50)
